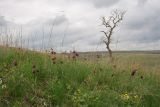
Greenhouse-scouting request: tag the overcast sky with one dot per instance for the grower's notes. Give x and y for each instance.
(77, 23)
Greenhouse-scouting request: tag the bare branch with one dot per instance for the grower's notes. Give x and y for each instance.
(110, 24)
(105, 33)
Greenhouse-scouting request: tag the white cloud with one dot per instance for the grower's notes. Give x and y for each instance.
(78, 22)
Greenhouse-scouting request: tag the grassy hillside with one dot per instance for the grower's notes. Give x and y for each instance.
(32, 79)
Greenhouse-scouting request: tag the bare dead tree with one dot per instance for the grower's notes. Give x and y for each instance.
(110, 24)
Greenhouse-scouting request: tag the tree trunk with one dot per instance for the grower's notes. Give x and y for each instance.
(109, 51)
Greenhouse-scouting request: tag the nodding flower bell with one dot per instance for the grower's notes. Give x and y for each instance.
(133, 72)
(53, 58)
(54, 62)
(15, 63)
(98, 56)
(141, 77)
(77, 54)
(33, 66)
(52, 51)
(74, 54)
(34, 69)
(134, 69)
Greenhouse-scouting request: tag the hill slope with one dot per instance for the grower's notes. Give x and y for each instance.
(45, 80)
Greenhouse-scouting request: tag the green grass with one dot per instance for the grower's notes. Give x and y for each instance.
(81, 83)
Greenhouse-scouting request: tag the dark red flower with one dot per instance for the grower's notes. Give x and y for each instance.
(34, 66)
(77, 54)
(15, 63)
(53, 58)
(133, 72)
(141, 77)
(98, 56)
(33, 71)
(52, 52)
(74, 52)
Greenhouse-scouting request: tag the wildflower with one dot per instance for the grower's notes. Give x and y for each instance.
(125, 96)
(52, 52)
(98, 56)
(53, 58)
(74, 54)
(1, 81)
(34, 70)
(133, 72)
(4, 86)
(134, 69)
(34, 66)
(15, 63)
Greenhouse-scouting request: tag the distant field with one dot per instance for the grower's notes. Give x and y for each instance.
(148, 61)
(33, 79)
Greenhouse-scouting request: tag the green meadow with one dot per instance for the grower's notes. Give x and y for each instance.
(35, 79)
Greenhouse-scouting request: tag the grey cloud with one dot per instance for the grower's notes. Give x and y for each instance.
(140, 25)
(3, 21)
(58, 20)
(104, 3)
(142, 2)
(96, 3)
(146, 37)
(40, 30)
(19, 1)
(73, 36)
